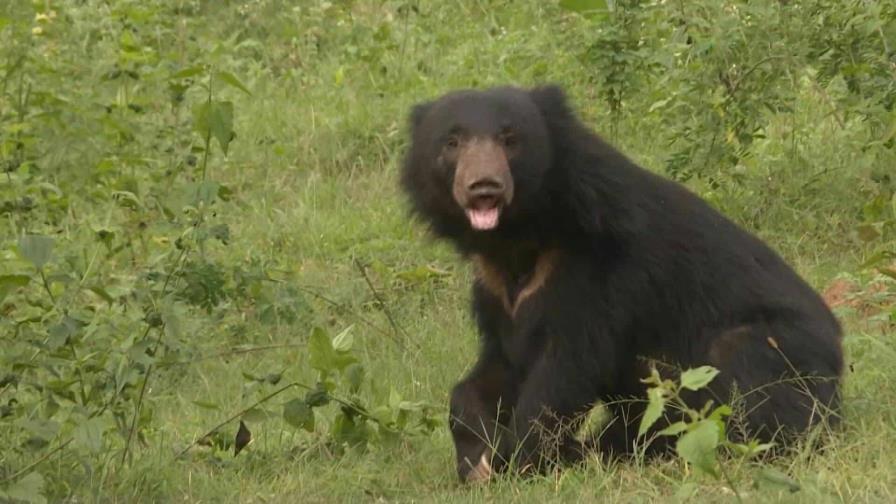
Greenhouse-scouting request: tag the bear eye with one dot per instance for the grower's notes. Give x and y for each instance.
(508, 139)
(453, 142)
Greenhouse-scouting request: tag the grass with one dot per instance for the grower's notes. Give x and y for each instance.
(313, 175)
(328, 225)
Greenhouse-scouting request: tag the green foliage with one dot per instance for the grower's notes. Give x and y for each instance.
(28, 489)
(701, 433)
(37, 249)
(339, 384)
(96, 314)
(696, 379)
(186, 187)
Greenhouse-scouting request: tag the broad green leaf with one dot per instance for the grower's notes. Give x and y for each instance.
(696, 379)
(343, 341)
(753, 448)
(9, 283)
(354, 377)
(215, 118)
(37, 249)
(60, 332)
(686, 492)
(127, 199)
(28, 489)
(720, 413)
(43, 429)
(322, 355)
(256, 415)
(674, 429)
(206, 192)
(221, 123)
(140, 352)
(188, 72)
(345, 429)
(698, 447)
(656, 403)
(299, 414)
(394, 398)
(101, 292)
(89, 434)
(777, 478)
(231, 80)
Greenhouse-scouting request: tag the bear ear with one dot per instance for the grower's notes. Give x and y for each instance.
(550, 100)
(418, 112)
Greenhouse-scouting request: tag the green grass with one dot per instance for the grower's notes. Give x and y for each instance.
(313, 175)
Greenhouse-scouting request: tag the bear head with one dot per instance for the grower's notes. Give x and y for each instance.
(479, 160)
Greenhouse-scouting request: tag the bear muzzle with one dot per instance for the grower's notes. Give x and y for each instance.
(483, 185)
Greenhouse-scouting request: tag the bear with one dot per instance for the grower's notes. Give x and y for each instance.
(589, 270)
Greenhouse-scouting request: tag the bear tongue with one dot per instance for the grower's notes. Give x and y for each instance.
(483, 218)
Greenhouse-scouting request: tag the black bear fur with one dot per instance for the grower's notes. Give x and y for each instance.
(596, 267)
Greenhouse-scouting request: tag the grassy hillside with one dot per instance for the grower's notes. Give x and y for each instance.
(197, 197)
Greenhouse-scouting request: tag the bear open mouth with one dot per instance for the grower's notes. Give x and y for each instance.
(484, 213)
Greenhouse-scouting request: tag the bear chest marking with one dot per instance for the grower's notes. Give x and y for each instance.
(514, 291)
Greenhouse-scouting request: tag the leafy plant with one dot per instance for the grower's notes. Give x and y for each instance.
(701, 433)
(341, 378)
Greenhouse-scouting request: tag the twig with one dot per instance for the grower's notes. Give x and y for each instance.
(354, 407)
(883, 39)
(138, 406)
(750, 70)
(337, 304)
(37, 462)
(827, 99)
(237, 351)
(46, 285)
(149, 369)
(51, 452)
(382, 304)
(731, 485)
(235, 416)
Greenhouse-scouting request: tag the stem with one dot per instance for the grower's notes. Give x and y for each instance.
(395, 327)
(37, 462)
(208, 134)
(150, 368)
(138, 406)
(46, 285)
(749, 71)
(344, 308)
(231, 353)
(235, 416)
(268, 397)
(208, 140)
(71, 347)
(728, 480)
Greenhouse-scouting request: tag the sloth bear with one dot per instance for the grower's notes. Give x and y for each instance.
(588, 271)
